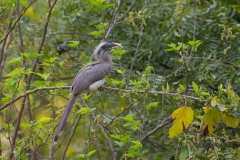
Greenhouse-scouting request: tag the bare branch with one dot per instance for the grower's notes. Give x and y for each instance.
(156, 92)
(31, 92)
(166, 121)
(71, 136)
(129, 9)
(113, 21)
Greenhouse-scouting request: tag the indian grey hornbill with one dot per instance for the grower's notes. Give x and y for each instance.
(89, 78)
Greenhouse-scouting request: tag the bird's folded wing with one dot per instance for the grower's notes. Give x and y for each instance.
(88, 75)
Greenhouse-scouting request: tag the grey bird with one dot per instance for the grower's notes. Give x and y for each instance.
(89, 78)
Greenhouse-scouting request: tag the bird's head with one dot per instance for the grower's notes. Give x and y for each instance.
(103, 50)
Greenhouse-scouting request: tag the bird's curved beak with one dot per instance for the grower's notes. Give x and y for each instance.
(111, 45)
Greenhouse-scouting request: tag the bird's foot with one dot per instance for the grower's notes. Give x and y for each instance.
(100, 88)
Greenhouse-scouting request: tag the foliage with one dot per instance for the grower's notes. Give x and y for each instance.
(172, 92)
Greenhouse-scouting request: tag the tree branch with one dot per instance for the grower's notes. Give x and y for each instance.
(71, 136)
(166, 121)
(31, 92)
(113, 21)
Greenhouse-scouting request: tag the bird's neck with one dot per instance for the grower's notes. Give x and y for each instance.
(106, 59)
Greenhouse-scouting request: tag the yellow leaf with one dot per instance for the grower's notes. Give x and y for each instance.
(183, 117)
(210, 120)
(229, 120)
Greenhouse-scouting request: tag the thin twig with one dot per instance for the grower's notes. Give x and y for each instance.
(129, 9)
(156, 92)
(3, 48)
(166, 121)
(71, 136)
(113, 21)
(109, 141)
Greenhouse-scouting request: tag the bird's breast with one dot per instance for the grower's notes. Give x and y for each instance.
(96, 85)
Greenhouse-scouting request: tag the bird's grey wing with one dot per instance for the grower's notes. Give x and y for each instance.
(89, 66)
(89, 75)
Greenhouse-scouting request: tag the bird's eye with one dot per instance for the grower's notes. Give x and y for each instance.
(104, 47)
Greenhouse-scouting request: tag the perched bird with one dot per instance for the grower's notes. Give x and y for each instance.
(89, 78)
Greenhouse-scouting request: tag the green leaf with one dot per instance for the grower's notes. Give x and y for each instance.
(43, 76)
(129, 155)
(25, 125)
(73, 44)
(14, 81)
(184, 153)
(108, 80)
(204, 94)
(86, 96)
(151, 105)
(168, 88)
(46, 77)
(15, 72)
(97, 33)
(96, 2)
(148, 69)
(135, 125)
(15, 60)
(182, 88)
(105, 6)
(31, 55)
(128, 118)
(39, 126)
(6, 97)
(102, 26)
(45, 120)
(27, 72)
(85, 110)
(122, 138)
(195, 87)
(16, 152)
(34, 55)
(195, 43)
(81, 155)
(137, 145)
(91, 153)
(39, 83)
(23, 3)
(119, 71)
(119, 51)
(173, 47)
(52, 59)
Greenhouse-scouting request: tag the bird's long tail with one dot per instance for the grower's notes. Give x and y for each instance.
(65, 116)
